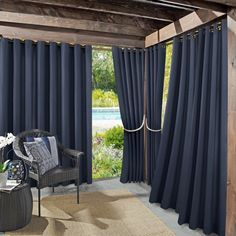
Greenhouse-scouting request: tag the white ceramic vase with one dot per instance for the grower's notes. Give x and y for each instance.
(3, 179)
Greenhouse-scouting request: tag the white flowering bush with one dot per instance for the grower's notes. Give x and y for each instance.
(4, 141)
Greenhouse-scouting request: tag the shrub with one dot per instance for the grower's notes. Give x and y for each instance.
(107, 153)
(114, 137)
(103, 98)
(111, 137)
(98, 138)
(107, 161)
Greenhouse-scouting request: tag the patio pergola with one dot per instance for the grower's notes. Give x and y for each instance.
(136, 23)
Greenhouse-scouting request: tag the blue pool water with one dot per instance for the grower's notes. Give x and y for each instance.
(106, 114)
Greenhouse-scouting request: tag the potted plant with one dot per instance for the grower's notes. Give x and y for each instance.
(3, 173)
(4, 141)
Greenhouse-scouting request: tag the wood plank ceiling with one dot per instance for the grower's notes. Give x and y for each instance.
(116, 22)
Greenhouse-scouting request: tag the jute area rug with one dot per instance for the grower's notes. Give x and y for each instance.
(107, 213)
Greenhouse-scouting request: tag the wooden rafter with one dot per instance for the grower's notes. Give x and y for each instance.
(79, 14)
(231, 3)
(121, 19)
(69, 37)
(120, 7)
(201, 4)
(67, 24)
(169, 5)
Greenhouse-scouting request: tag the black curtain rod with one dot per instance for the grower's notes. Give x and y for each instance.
(36, 41)
(95, 47)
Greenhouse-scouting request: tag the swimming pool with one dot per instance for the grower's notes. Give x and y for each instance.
(106, 113)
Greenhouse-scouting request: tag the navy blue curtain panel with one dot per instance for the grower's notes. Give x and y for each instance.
(191, 170)
(129, 75)
(48, 86)
(155, 70)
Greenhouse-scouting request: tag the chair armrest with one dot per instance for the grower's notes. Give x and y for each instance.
(71, 153)
(75, 154)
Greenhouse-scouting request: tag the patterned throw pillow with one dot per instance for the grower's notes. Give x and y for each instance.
(38, 151)
(51, 144)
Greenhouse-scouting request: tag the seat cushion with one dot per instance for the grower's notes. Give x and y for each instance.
(57, 175)
(51, 144)
(38, 151)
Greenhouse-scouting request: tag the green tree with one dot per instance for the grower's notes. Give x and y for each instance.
(103, 70)
(169, 48)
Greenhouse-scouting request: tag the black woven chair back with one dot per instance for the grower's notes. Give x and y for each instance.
(21, 138)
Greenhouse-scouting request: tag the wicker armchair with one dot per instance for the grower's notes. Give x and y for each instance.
(54, 176)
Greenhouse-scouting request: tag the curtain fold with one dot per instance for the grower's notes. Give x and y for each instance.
(48, 86)
(129, 75)
(155, 70)
(190, 173)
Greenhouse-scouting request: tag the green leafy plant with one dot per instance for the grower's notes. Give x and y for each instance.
(111, 137)
(114, 137)
(103, 98)
(3, 166)
(108, 153)
(107, 161)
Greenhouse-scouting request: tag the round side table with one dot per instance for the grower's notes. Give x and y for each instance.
(15, 208)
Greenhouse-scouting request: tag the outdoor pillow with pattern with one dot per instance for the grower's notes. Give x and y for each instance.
(51, 144)
(38, 151)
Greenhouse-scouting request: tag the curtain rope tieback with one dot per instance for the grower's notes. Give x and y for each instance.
(152, 130)
(135, 130)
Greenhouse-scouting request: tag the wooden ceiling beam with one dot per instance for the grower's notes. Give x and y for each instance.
(201, 4)
(69, 31)
(81, 14)
(166, 4)
(63, 24)
(120, 7)
(169, 4)
(231, 3)
(14, 32)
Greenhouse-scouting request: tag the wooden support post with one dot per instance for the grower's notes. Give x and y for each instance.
(231, 183)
